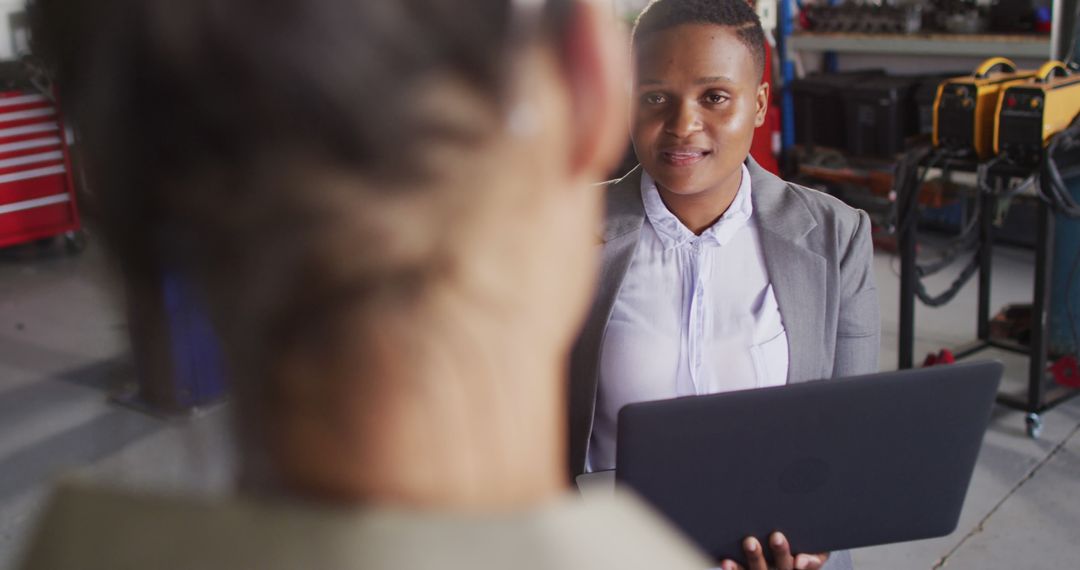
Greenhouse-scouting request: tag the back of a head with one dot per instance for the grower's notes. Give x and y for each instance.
(320, 170)
(286, 156)
(168, 92)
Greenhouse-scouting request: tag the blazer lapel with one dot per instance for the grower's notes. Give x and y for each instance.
(625, 216)
(797, 274)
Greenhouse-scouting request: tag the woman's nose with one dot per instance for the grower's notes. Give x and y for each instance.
(684, 120)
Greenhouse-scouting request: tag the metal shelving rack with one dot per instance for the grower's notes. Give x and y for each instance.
(1011, 46)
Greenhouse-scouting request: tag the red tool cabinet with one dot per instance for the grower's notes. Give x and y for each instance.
(37, 197)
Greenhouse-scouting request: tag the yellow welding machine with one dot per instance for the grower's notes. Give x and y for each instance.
(965, 110)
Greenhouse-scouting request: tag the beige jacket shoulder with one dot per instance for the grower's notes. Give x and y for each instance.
(89, 529)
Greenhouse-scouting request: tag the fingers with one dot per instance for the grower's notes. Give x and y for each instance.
(783, 559)
(754, 557)
(781, 552)
(811, 561)
(755, 554)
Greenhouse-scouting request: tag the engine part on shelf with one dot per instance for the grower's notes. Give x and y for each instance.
(1012, 16)
(969, 22)
(1030, 113)
(865, 18)
(966, 108)
(957, 17)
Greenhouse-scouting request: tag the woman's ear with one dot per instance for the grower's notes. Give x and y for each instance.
(595, 62)
(762, 104)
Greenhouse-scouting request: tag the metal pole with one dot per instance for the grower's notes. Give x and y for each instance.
(1063, 29)
(1056, 24)
(908, 278)
(1039, 327)
(786, 27)
(987, 204)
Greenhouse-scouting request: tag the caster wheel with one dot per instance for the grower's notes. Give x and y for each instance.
(1034, 425)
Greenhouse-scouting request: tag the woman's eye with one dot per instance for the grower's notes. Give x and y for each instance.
(654, 99)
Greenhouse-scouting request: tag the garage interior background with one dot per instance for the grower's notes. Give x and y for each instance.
(856, 87)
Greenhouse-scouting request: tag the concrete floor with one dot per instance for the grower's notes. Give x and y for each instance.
(62, 350)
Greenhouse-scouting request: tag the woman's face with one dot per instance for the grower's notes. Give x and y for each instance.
(697, 99)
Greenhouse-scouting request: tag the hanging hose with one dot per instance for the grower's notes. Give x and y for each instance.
(963, 243)
(949, 294)
(908, 184)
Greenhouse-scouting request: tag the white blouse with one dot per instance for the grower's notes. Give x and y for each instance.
(694, 315)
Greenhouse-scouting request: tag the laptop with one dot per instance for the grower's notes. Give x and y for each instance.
(835, 465)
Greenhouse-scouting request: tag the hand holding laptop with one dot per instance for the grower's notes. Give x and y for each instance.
(782, 556)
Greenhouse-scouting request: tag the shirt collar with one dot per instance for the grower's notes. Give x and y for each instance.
(673, 233)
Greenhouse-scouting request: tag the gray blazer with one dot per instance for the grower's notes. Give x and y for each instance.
(819, 257)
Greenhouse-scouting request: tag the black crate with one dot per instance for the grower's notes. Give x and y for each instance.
(881, 114)
(819, 107)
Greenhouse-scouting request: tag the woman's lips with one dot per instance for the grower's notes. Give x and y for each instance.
(683, 157)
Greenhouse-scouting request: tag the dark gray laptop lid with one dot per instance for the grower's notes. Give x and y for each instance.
(835, 465)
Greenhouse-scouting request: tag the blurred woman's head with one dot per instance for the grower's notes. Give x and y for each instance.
(365, 191)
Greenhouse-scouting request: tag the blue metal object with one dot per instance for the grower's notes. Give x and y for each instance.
(197, 363)
(832, 62)
(1064, 311)
(786, 26)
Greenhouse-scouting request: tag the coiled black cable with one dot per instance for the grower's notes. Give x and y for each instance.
(967, 240)
(907, 186)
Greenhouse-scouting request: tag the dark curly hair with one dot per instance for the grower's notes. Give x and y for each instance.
(662, 15)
